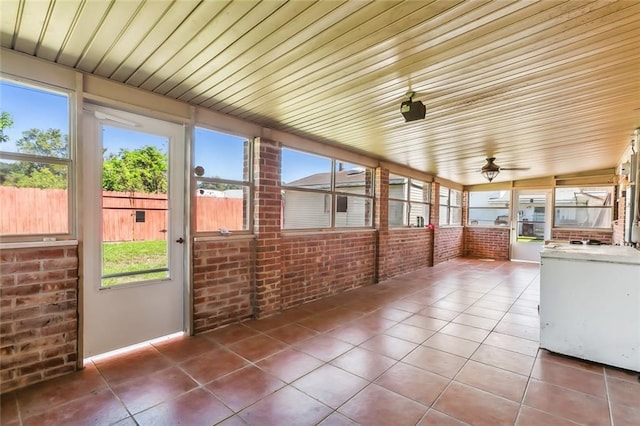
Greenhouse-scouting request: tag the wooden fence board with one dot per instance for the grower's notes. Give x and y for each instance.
(45, 211)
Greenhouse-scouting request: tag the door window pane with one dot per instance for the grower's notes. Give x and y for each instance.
(531, 217)
(134, 180)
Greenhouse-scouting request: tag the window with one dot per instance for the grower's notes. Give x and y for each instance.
(320, 192)
(408, 201)
(450, 206)
(341, 204)
(36, 163)
(489, 208)
(583, 207)
(222, 182)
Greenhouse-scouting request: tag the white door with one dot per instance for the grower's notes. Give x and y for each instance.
(132, 230)
(531, 224)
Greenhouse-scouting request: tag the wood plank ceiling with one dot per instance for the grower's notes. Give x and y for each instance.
(550, 85)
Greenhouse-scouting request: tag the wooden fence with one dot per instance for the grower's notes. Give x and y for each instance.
(126, 216)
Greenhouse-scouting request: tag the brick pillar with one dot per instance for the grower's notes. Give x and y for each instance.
(435, 219)
(435, 200)
(465, 208)
(381, 220)
(268, 208)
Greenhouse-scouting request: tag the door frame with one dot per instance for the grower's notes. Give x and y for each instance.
(90, 212)
(515, 194)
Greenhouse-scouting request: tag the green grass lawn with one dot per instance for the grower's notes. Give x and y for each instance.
(133, 256)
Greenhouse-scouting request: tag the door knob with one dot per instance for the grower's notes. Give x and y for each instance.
(180, 240)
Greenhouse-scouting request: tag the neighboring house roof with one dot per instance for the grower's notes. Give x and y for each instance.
(344, 178)
(214, 193)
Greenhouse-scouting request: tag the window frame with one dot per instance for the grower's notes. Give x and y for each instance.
(408, 203)
(449, 207)
(70, 161)
(333, 192)
(610, 189)
(247, 184)
(507, 208)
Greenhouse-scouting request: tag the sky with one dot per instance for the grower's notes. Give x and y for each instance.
(28, 106)
(220, 154)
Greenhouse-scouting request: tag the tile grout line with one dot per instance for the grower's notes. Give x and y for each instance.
(606, 388)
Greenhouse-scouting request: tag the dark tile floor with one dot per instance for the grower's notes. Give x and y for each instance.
(450, 345)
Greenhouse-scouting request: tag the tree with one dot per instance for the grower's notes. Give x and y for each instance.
(6, 121)
(33, 174)
(139, 170)
(47, 143)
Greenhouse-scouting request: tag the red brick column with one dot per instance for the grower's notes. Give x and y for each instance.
(435, 204)
(381, 220)
(434, 219)
(267, 226)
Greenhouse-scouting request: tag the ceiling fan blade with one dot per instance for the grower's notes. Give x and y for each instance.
(515, 168)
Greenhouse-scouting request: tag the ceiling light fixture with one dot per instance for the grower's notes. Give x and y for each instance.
(412, 111)
(491, 169)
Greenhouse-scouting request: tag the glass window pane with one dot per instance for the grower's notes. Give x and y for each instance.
(489, 208)
(221, 207)
(219, 155)
(353, 211)
(456, 216)
(398, 213)
(398, 187)
(489, 199)
(305, 210)
(305, 170)
(34, 121)
(583, 207)
(444, 196)
(444, 215)
(34, 198)
(584, 197)
(419, 215)
(135, 220)
(488, 217)
(353, 178)
(456, 198)
(576, 217)
(419, 191)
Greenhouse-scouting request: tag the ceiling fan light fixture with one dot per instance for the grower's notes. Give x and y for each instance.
(491, 169)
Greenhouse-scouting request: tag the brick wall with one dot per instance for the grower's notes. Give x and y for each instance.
(620, 224)
(490, 243)
(319, 265)
(408, 249)
(381, 220)
(267, 217)
(39, 314)
(222, 282)
(582, 234)
(448, 243)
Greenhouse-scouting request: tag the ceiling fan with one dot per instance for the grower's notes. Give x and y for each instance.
(491, 169)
